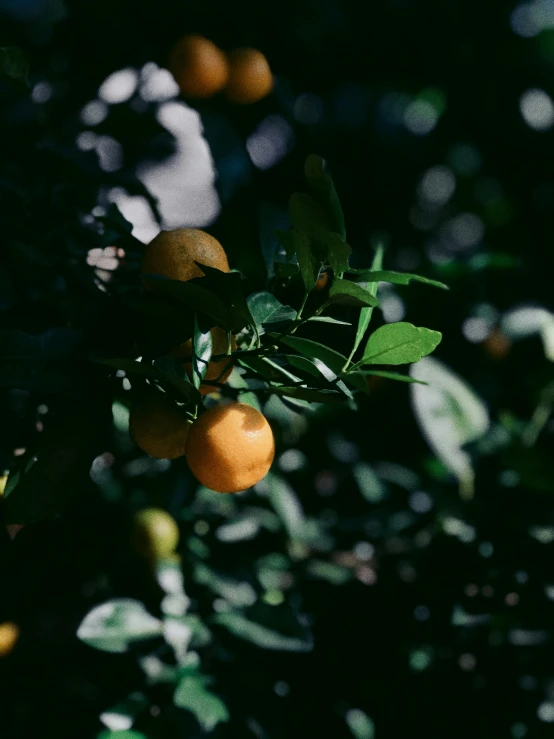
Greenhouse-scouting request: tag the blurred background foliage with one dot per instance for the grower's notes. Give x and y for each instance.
(390, 599)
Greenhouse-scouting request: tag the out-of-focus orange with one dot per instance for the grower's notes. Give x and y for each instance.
(199, 67)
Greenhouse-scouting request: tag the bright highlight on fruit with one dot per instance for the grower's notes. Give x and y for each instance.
(230, 447)
(9, 634)
(198, 66)
(158, 427)
(155, 533)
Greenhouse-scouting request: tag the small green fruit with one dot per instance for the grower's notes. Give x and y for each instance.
(156, 533)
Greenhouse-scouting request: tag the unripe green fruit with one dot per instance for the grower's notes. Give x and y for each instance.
(156, 533)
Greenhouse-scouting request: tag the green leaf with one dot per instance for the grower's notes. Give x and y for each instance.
(228, 286)
(267, 310)
(338, 252)
(400, 343)
(192, 695)
(366, 313)
(395, 278)
(260, 635)
(323, 189)
(285, 503)
(328, 319)
(333, 573)
(302, 393)
(450, 415)
(171, 370)
(122, 734)
(202, 353)
(298, 244)
(237, 593)
(345, 292)
(371, 487)
(303, 363)
(334, 360)
(308, 217)
(316, 368)
(116, 624)
(14, 63)
(236, 380)
(124, 713)
(382, 373)
(194, 296)
(359, 723)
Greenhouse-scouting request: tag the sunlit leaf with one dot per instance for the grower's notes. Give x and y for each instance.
(202, 343)
(359, 723)
(450, 415)
(116, 624)
(249, 397)
(237, 593)
(396, 278)
(399, 343)
(328, 319)
(285, 502)
(191, 694)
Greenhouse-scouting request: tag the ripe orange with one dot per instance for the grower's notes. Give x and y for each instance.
(158, 427)
(250, 77)
(230, 447)
(9, 634)
(155, 533)
(173, 254)
(199, 67)
(215, 368)
(497, 345)
(322, 281)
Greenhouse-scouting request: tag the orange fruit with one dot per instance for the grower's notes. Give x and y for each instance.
(497, 344)
(215, 371)
(230, 447)
(198, 66)
(250, 77)
(173, 254)
(9, 634)
(155, 533)
(158, 427)
(322, 281)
